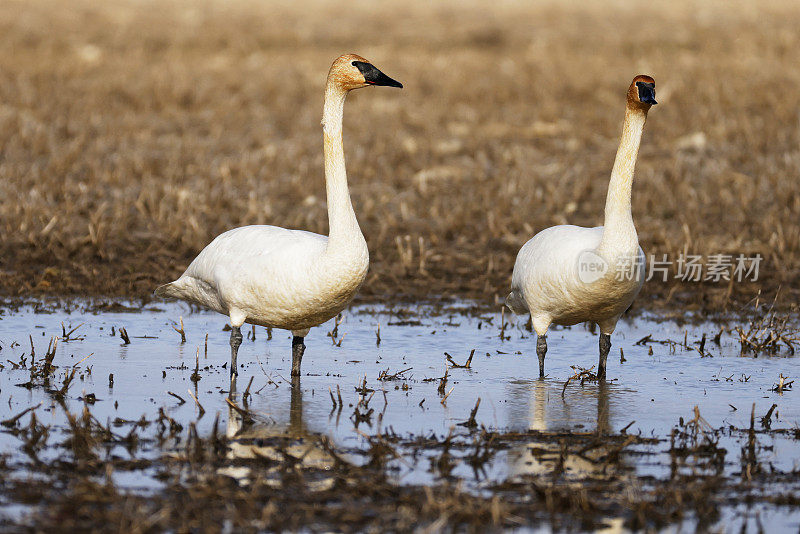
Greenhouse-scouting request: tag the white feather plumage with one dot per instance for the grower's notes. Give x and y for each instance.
(547, 284)
(271, 276)
(550, 280)
(290, 279)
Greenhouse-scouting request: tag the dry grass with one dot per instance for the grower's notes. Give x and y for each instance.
(133, 132)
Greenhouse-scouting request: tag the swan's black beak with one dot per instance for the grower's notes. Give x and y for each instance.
(373, 76)
(647, 93)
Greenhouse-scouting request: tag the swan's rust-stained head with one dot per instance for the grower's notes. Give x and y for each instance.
(642, 92)
(352, 71)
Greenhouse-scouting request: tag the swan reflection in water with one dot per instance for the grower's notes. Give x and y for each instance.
(539, 406)
(278, 444)
(583, 411)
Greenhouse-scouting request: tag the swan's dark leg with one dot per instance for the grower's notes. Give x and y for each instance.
(298, 348)
(541, 350)
(605, 347)
(236, 340)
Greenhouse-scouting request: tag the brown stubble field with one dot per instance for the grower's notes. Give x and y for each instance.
(133, 132)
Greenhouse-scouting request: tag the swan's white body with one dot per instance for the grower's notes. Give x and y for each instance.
(547, 281)
(271, 276)
(289, 279)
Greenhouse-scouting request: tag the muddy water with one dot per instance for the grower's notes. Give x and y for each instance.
(659, 382)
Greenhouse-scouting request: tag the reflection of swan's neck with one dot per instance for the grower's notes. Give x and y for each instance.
(234, 423)
(538, 420)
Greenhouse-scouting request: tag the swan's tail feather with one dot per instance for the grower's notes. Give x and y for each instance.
(167, 291)
(516, 303)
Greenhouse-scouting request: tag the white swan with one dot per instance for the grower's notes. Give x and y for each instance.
(569, 274)
(290, 279)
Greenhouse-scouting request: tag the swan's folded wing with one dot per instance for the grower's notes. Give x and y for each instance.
(251, 247)
(548, 262)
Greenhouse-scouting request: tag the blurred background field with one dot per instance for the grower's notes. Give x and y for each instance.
(133, 132)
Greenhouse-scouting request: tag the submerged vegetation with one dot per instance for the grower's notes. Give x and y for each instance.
(770, 332)
(261, 478)
(151, 433)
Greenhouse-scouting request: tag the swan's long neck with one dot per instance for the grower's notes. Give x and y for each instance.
(619, 234)
(344, 229)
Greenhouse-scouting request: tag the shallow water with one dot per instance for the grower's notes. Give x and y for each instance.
(646, 394)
